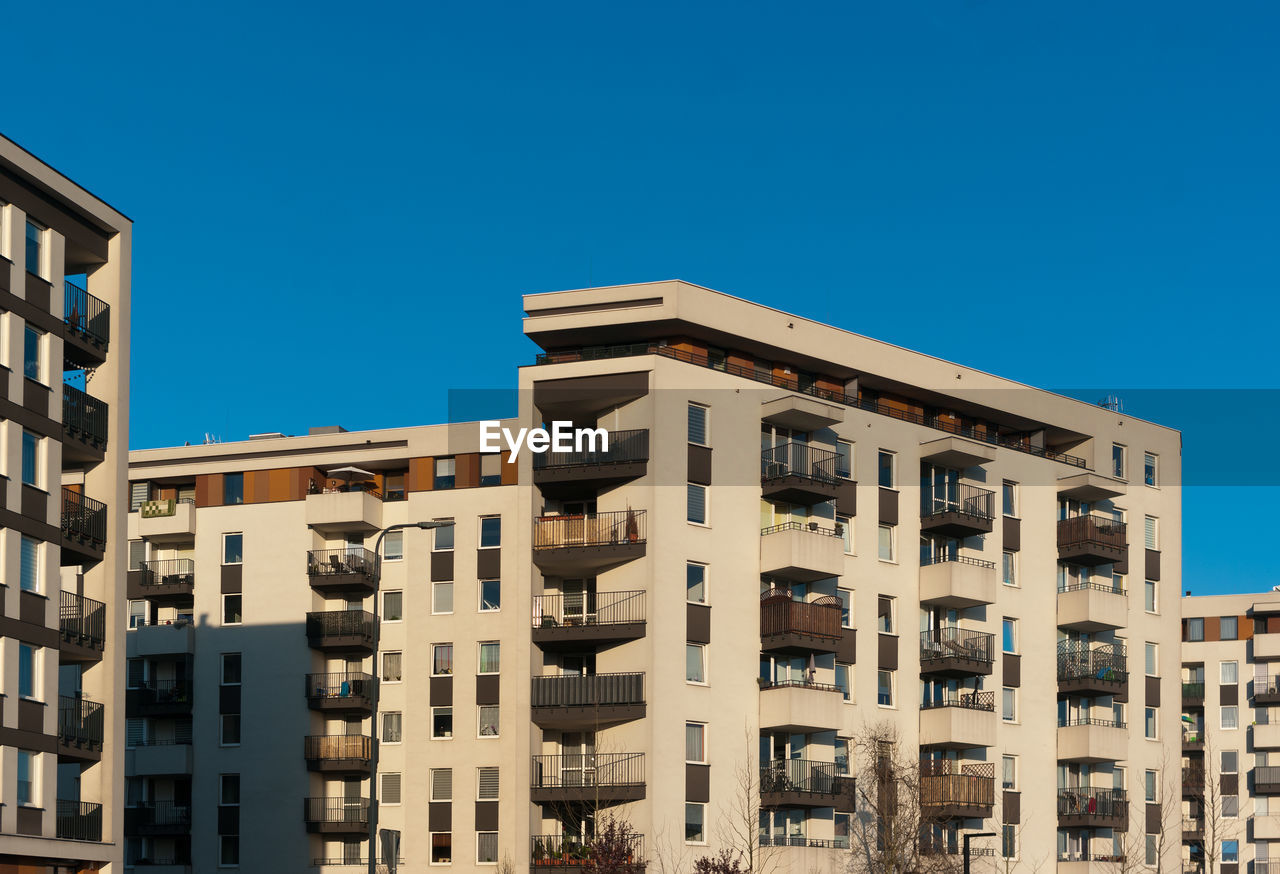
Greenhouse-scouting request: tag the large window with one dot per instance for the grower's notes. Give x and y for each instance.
(1229, 628)
(392, 606)
(443, 541)
(885, 469)
(232, 609)
(490, 657)
(490, 595)
(698, 433)
(488, 722)
(393, 546)
(29, 569)
(1195, 629)
(233, 488)
(392, 667)
(695, 663)
(392, 727)
(490, 532)
(441, 723)
(233, 548)
(488, 782)
(1229, 673)
(695, 823)
(33, 354)
(486, 848)
(30, 459)
(695, 578)
(1230, 717)
(442, 597)
(441, 659)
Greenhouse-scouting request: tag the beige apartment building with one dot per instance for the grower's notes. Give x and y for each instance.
(1231, 732)
(867, 537)
(64, 400)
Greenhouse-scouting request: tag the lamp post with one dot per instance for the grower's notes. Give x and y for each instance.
(966, 845)
(377, 684)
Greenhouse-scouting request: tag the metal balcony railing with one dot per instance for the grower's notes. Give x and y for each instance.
(324, 625)
(799, 775)
(596, 529)
(946, 556)
(1100, 721)
(625, 447)
(80, 722)
(1114, 588)
(574, 690)
(779, 614)
(167, 572)
(1079, 660)
(1193, 825)
(162, 813)
(971, 700)
(812, 527)
(79, 821)
(337, 747)
(799, 460)
(566, 851)
(961, 498)
(86, 315)
(589, 608)
(1088, 801)
(167, 691)
(83, 518)
(84, 417)
(802, 841)
(82, 621)
(336, 810)
(342, 562)
(588, 770)
(1093, 529)
(956, 643)
(339, 685)
(1193, 691)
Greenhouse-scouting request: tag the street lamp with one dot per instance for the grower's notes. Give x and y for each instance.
(966, 845)
(377, 684)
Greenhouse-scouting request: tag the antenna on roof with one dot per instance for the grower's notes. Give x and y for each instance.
(1112, 403)
(210, 439)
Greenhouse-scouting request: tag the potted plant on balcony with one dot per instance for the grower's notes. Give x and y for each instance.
(633, 526)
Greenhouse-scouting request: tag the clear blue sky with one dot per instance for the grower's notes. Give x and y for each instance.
(337, 206)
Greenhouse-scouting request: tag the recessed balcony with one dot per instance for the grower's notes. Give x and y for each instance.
(82, 623)
(1091, 607)
(1266, 780)
(350, 632)
(1086, 807)
(78, 821)
(798, 473)
(804, 783)
(157, 819)
(1087, 739)
(1265, 736)
(1193, 739)
(351, 571)
(349, 692)
(1092, 540)
(352, 508)
(957, 510)
(87, 331)
(81, 724)
(1266, 689)
(599, 778)
(958, 720)
(168, 579)
(562, 853)
(1092, 669)
(799, 706)
(574, 620)
(84, 428)
(1266, 646)
(574, 702)
(802, 552)
(156, 759)
(1193, 781)
(1266, 828)
(338, 753)
(569, 545)
(84, 528)
(956, 652)
(945, 793)
(159, 698)
(559, 474)
(168, 520)
(796, 627)
(1192, 696)
(336, 816)
(958, 581)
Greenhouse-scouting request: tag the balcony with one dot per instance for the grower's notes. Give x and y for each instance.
(956, 453)
(170, 579)
(1192, 828)
(84, 528)
(563, 473)
(1266, 780)
(804, 783)
(959, 720)
(1192, 695)
(1193, 780)
(1193, 739)
(599, 778)
(1090, 863)
(1266, 828)
(1092, 740)
(800, 413)
(80, 729)
(344, 510)
(798, 706)
(949, 580)
(337, 753)
(79, 821)
(956, 652)
(88, 327)
(1092, 669)
(968, 794)
(570, 545)
(1091, 607)
(574, 702)
(350, 692)
(170, 638)
(157, 819)
(158, 759)
(1084, 807)
(802, 552)
(1092, 540)
(342, 631)
(170, 520)
(799, 627)
(336, 816)
(1266, 646)
(798, 473)
(554, 853)
(588, 619)
(350, 571)
(84, 428)
(1266, 690)
(957, 510)
(82, 623)
(159, 698)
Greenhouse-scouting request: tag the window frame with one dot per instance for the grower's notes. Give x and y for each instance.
(382, 728)
(702, 742)
(435, 672)
(481, 836)
(480, 544)
(1120, 461)
(435, 590)
(240, 560)
(437, 533)
(706, 424)
(1151, 720)
(1222, 625)
(1009, 696)
(480, 660)
(891, 686)
(222, 730)
(706, 505)
(689, 566)
(386, 613)
(701, 807)
(1008, 635)
(1233, 709)
(702, 663)
(496, 721)
(382, 666)
(847, 476)
(393, 536)
(893, 543)
(481, 601)
(433, 713)
(1009, 496)
(227, 598)
(1151, 469)
(1150, 659)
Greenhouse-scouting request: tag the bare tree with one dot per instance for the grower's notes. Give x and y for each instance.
(1217, 826)
(1023, 858)
(738, 826)
(1133, 842)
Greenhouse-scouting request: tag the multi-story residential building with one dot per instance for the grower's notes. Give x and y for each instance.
(1231, 732)
(64, 399)
(871, 539)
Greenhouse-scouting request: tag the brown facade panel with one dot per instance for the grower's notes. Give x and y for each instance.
(1012, 672)
(30, 715)
(440, 692)
(421, 476)
(697, 783)
(487, 690)
(486, 816)
(847, 652)
(467, 470)
(39, 292)
(1229, 695)
(697, 623)
(1153, 824)
(30, 822)
(29, 632)
(1212, 628)
(1012, 534)
(1230, 784)
(888, 652)
(442, 566)
(1153, 692)
(33, 608)
(888, 506)
(847, 498)
(209, 490)
(1012, 808)
(440, 816)
(1153, 564)
(35, 397)
(35, 502)
(510, 470)
(488, 564)
(232, 582)
(700, 465)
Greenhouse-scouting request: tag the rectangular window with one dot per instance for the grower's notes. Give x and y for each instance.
(228, 851)
(1009, 772)
(233, 548)
(1118, 454)
(30, 459)
(445, 474)
(443, 541)
(1009, 498)
(1150, 723)
(695, 816)
(138, 494)
(487, 784)
(392, 606)
(137, 614)
(1149, 786)
(1008, 841)
(27, 680)
(231, 668)
(30, 565)
(884, 688)
(392, 727)
(137, 554)
(1230, 761)
(1009, 704)
(1195, 630)
(695, 748)
(391, 667)
(845, 524)
(1149, 596)
(1231, 851)
(698, 434)
(491, 469)
(393, 546)
(232, 488)
(486, 848)
(1009, 635)
(490, 657)
(441, 659)
(442, 784)
(695, 582)
(27, 772)
(1230, 717)
(884, 614)
(490, 595)
(1151, 854)
(1152, 661)
(846, 607)
(695, 663)
(1229, 673)
(442, 597)
(490, 532)
(1008, 568)
(884, 468)
(441, 723)
(1149, 469)
(1229, 628)
(441, 848)
(886, 543)
(1152, 525)
(843, 682)
(232, 609)
(229, 730)
(390, 793)
(229, 790)
(1231, 806)
(697, 504)
(488, 722)
(32, 354)
(35, 248)
(844, 459)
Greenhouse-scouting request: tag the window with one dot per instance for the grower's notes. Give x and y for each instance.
(1231, 851)
(886, 543)
(841, 825)
(1230, 761)
(884, 468)
(229, 790)
(393, 546)
(392, 723)
(490, 532)
(233, 488)
(27, 665)
(30, 569)
(698, 425)
(1010, 635)
(441, 659)
(1009, 772)
(1195, 629)
(884, 688)
(138, 494)
(445, 470)
(845, 524)
(232, 612)
(33, 354)
(697, 504)
(490, 657)
(1008, 568)
(1229, 628)
(1151, 854)
(1149, 724)
(1149, 779)
(391, 664)
(35, 245)
(390, 793)
(695, 822)
(1118, 454)
(137, 554)
(695, 743)
(1229, 672)
(27, 775)
(441, 848)
(487, 784)
(442, 597)
(1149, 469)
(229, 730)
(884, 614)
(1152, 660)
(441, 722)
(846, 607)
(30, 459)
(392, 606)
(1152, 532)
(1009, 498)
(442, 784)
(231, 673)
(842, 680)
(490, 595)
(843, 745)
(228, 850)
(488, 721)
(695, 663)
(1231, 806)
(443, 541)
(1230, 717)
(232, 548)
(137, 614)
(1009, 704)
(1008, 841)
(486, 848)
(1149, 596)
(695, 582)
(844, 459)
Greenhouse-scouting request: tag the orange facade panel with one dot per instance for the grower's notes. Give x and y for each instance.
(209, 490)
(422, 472)
(467, 470)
